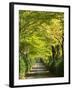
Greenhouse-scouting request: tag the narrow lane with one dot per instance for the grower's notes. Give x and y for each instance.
(39, 71)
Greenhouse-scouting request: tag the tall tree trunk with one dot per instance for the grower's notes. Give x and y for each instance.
(53, 53)
(57, 51)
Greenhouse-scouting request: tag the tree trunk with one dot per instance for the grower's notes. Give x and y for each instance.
(57, 51)
(53, 53)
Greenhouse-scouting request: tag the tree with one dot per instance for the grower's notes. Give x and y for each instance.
(41, 34)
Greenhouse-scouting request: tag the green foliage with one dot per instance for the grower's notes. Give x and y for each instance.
(22, 67)
(38, 32)
(57, 67)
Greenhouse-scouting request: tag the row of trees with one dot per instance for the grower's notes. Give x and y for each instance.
(41, 35)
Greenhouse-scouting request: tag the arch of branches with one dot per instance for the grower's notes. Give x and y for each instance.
(41, 36)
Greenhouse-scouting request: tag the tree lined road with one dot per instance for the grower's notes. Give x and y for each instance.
(41, 36)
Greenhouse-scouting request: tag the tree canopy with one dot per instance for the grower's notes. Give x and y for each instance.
(40, 30)
(41, 35)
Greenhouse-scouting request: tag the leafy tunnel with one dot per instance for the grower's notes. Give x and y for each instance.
(41, 38)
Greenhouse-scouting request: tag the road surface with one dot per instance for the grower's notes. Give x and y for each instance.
(39, 70)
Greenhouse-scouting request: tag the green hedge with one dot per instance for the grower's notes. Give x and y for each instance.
(22, 67)
(25, 65)
(57, 67)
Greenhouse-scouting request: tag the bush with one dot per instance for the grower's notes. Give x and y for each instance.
(56, 67)
(22, 67)
(25, 65)
(51, 66)
(30, 63)
(59, 68)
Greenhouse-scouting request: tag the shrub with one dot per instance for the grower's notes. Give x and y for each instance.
(51, 66)
(57, 67)
(22, 67)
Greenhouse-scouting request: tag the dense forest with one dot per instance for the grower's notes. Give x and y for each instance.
(41, 37)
